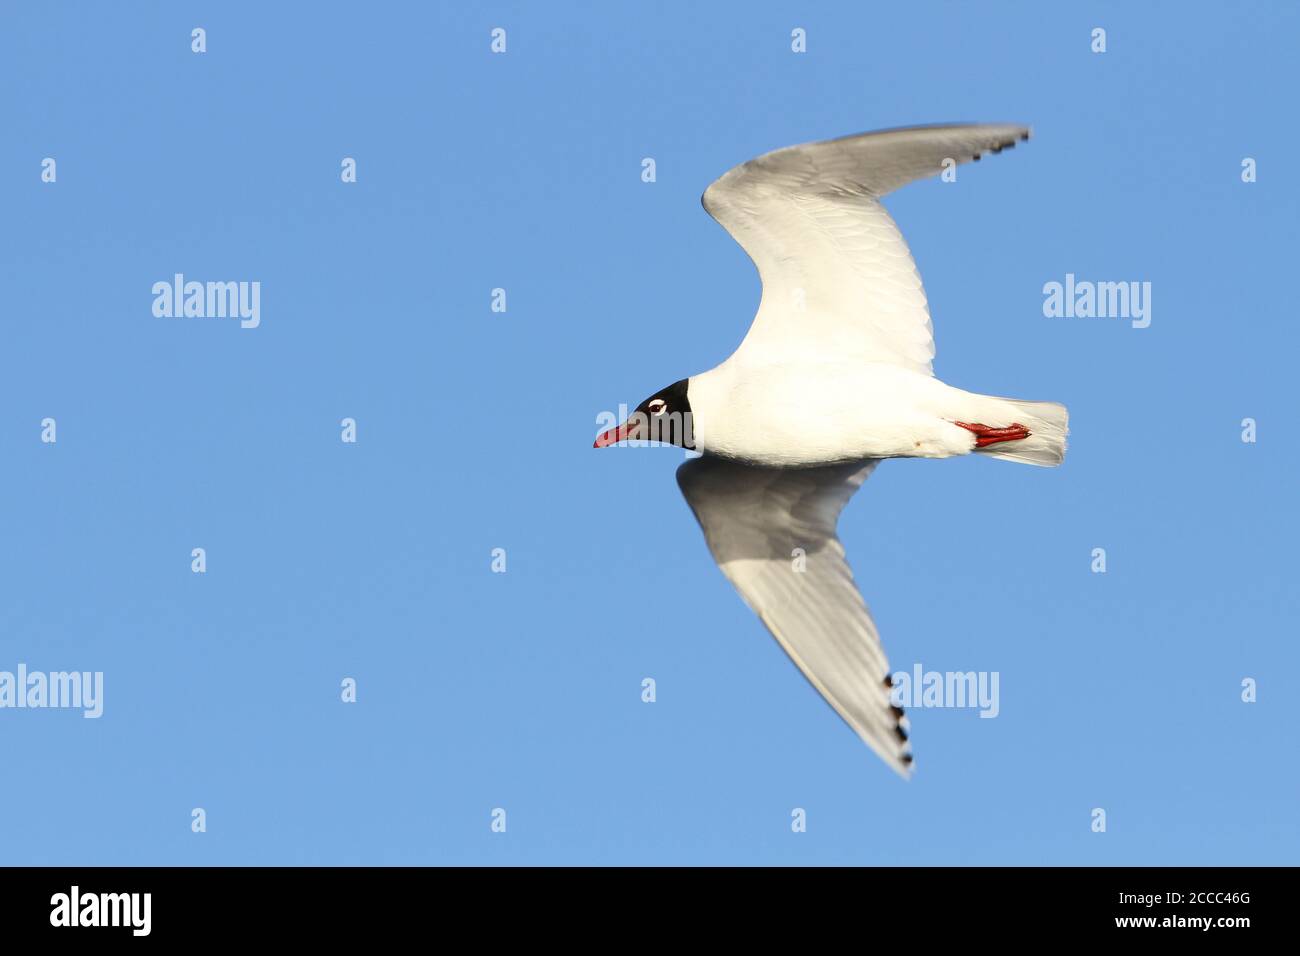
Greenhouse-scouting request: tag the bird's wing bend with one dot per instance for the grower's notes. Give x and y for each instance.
(838, 278)
(772, 532)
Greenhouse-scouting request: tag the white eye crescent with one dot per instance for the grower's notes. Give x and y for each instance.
(657, 406)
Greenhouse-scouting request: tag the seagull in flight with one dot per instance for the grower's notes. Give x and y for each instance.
(834, 375)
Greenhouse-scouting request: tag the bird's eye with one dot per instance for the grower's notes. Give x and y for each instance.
(657, 406)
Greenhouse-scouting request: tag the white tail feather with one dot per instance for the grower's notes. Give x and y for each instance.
(1048, 424)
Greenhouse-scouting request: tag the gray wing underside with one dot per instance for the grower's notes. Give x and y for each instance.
(761, 524)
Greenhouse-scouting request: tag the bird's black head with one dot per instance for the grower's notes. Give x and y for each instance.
(663, 417)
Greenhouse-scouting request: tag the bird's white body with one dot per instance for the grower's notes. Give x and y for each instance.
(863, 410)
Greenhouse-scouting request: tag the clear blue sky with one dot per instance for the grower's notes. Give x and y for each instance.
(522, 690)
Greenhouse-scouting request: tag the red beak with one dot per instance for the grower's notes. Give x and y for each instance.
(615, 435)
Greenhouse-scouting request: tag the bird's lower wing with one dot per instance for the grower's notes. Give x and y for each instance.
(772, 532)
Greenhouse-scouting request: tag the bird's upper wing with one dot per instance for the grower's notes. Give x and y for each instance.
(772, 532)
(838, 278)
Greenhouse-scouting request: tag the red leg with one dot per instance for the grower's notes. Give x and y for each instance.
(984, 435)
